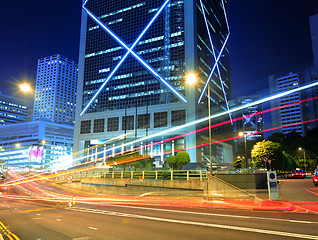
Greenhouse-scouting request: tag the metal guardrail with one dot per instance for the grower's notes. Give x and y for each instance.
(157, 175)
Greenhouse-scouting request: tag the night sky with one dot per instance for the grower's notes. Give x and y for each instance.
(267, 37)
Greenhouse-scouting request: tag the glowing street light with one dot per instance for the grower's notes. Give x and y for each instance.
(191, 78)
(25, 87)
(300, 149)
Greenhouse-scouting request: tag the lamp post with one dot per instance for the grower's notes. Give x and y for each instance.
(43, 145)
(242, 134)
(191, 79)
(301, 149)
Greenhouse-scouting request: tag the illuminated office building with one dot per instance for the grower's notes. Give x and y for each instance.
(55, 91)
(13, 110)
(37, 144)
(134, 58)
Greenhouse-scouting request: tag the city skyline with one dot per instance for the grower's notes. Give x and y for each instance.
(58, 32)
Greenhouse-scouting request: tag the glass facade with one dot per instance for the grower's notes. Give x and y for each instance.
(12, 110)
(162, 47)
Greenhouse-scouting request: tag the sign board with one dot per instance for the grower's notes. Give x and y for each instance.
(128, 180)
(272, 185)
(265, 159)
(69, 178)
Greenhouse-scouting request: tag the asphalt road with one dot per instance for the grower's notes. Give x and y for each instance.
(36, 221)
(298, 190)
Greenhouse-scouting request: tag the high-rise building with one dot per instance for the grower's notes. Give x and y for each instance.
(55, 91)
(291, 114)
(252, 121)
(13, 110)
(313, 20)
(134, 59)
(305, 111)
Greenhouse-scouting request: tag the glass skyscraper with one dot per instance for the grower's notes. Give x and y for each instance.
(134, 58)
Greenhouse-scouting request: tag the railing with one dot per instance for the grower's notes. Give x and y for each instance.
(157, 175)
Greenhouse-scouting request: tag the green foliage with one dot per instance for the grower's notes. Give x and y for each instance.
(238, 163)
(288, 163)
(183, 158)
(179, 161)
(172, 162)
(269, 149)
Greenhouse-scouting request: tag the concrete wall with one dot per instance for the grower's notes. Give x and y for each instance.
(211, 188)
(245, 180)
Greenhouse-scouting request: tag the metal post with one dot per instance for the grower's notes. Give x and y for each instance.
(172, 147)
(122, 149)
(304, 159)
(141, 149)
(162, 153)
(113, 151)
(210, 133)
(104, 155)
(151, 149)
(156, 175)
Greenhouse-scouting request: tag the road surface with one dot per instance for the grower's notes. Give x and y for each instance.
(37, 221)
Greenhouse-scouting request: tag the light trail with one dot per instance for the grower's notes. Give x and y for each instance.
(123, 161)
(255, 103)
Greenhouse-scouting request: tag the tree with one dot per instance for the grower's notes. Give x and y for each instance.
(183, 158)
(179, 161)
(272, 151)
(172, 161)
(238, 163)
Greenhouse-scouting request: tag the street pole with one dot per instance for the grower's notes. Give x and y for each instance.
(210, 134)
(245, 151)
(304, 159)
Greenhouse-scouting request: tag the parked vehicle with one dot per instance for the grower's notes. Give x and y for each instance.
(315, 177)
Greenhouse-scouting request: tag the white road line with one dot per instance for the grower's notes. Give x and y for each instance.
(59, 220)
(221, 226)
(214, 214)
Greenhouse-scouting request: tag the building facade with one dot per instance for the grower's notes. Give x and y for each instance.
(13, 110)
(313, 20)
(298, 117)
(252, 120)
(55, 91)
(37, 145)
(134, 59)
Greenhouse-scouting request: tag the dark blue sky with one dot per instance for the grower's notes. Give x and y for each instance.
(267, 37)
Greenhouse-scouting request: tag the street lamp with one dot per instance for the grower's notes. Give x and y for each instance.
(300, 149)
(24, 87)
(191, 79)
(241, 134)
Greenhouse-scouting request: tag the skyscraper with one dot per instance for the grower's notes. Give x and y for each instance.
(134, 59)
(314, 38)
(13, 110)
(55, 91)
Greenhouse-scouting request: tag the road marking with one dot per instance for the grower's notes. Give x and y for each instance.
(82, 238)
(212, 225)
(312, 192)
(59, 220)
(7, 232)
(93, 228)
(37, 210)
(213, 214)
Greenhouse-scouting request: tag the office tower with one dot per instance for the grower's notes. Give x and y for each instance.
(55, 91)
(13, 110)
(252, 120)
(134, 59)
(313, 20)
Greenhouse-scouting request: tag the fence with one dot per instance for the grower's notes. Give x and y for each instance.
(157, 175)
